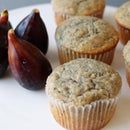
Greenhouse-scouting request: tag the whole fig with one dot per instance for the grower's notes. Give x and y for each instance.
(4, 27)
(33, 30)
(28, 64)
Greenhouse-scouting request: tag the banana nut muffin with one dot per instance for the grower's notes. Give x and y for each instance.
(83, 81)
(65, 9)
(126, 54)
(83, 36)
(81, 89)
(123, 21)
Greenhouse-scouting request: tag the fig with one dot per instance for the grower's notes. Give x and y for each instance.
(4, 27)
(33, 30)
(28, 64)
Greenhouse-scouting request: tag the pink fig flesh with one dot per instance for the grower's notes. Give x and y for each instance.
(28, 64)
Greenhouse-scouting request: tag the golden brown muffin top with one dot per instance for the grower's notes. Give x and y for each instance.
(123, 15)
(86, 34)
(78, 7)
(83, 81)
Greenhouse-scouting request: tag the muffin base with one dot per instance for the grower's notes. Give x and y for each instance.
(90, 117)
(66, 55)
(124, 33)
(59, 18)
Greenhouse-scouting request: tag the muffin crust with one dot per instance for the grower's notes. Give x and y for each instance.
(123, 15)
(126, 53)
(86, 35)
(82, 81)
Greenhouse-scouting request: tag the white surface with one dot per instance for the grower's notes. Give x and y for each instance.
(21, 109)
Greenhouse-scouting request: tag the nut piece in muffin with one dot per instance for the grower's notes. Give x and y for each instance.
(65, 9)
(88, 37)
(85, 90)
(126, 54)
(123, 21)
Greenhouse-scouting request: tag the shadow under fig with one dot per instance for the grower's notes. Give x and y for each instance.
(7, 74)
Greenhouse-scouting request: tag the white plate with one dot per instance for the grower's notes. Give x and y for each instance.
(21, 109)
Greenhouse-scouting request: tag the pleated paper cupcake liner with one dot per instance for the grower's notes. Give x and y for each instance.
(66, 55)
(124, 34)
(60, 17)
(98, 14)
(89, 117)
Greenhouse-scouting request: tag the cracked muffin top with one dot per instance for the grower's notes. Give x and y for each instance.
(123, 14)
(78, 7)
(82, 81)
(86, 34)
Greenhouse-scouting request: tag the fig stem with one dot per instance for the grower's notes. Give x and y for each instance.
(35, 10)
(4, 13)
(11, 34)
(11, 31)
(4, 17)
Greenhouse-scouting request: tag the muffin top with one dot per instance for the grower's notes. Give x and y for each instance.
(86, 35)
(123, 15)
(83, 81)
(126, 52)
(78, 7)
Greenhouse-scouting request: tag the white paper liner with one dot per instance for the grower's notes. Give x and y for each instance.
(124, 33)
(66, 55)
(90, 117)
(60, 17)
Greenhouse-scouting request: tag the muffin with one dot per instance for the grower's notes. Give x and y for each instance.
(65, 9)
(126, 54)
(123, 21)
(86, 36)
(83, 94)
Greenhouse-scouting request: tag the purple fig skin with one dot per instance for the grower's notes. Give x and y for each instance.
(33, 30)
(4, 27)
(28, 64)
